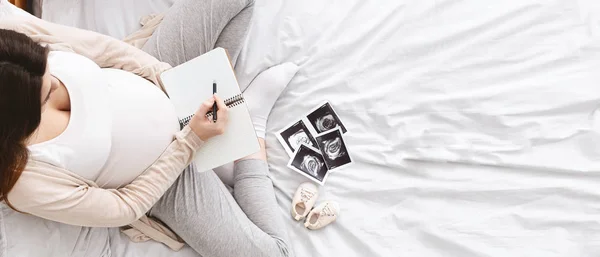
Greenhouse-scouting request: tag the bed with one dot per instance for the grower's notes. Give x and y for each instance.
(474, 125)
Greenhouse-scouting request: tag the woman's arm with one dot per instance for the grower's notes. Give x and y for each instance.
(51, 193)
(57, 194)
(105, 51)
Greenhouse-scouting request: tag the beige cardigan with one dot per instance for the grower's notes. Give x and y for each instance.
(57, 194)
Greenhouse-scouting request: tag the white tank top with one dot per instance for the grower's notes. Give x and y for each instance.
(120, 123)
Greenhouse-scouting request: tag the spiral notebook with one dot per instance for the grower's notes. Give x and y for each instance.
(190, 84)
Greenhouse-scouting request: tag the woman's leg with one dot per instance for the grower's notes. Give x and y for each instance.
(198, 207)
(193, 27)
(205, 215)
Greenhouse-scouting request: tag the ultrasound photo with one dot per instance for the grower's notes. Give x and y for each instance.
(324, 119)
(334, 149)
(309, 162)
(294, 135)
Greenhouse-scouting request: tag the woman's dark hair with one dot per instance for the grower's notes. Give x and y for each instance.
(22, 67)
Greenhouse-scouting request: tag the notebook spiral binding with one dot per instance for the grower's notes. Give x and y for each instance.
(229, 102)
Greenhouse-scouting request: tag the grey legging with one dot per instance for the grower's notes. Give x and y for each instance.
(193, 27)
(198, 207)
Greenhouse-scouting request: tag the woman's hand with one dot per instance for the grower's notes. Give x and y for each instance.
(204, 127)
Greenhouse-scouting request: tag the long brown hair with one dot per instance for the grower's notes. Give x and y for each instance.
(22, 67)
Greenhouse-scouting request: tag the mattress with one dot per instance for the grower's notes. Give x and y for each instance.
(473, 125)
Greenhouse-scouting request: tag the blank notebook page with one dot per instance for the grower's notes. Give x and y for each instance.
(190, 84)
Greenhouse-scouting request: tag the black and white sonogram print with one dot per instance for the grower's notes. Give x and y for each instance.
(295, 135)
(334, 150)
(324, 119)
(309, 162)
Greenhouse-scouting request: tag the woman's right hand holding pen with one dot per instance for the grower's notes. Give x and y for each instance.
(204, 127)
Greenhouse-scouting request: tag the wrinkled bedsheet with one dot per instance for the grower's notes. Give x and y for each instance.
(474, 125)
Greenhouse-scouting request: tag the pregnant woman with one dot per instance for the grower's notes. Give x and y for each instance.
(87, 145)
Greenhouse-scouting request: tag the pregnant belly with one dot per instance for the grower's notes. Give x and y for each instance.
(144, 123)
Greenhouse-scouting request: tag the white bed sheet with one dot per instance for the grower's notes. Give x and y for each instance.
(473, 124)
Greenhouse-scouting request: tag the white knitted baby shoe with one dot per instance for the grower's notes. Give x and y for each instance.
(304, 199)
(322, 215)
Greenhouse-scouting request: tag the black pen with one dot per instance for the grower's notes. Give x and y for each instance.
(214, 111)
